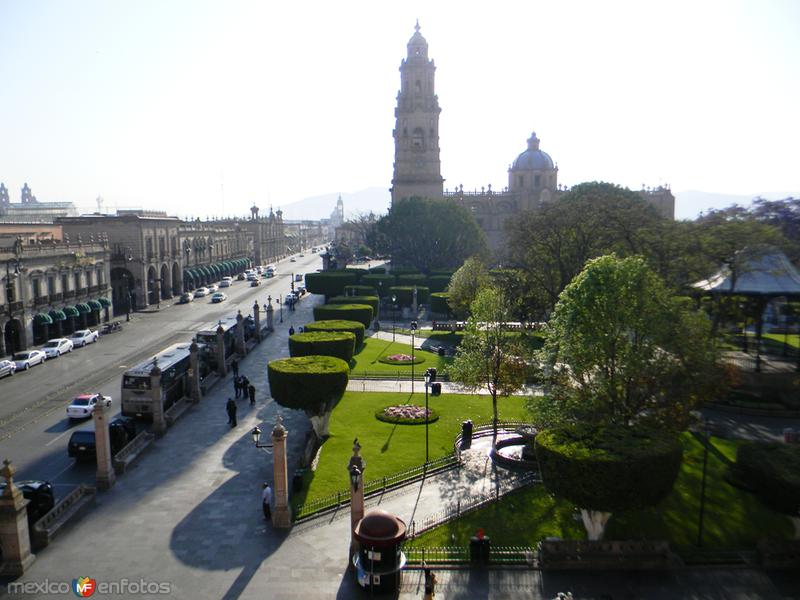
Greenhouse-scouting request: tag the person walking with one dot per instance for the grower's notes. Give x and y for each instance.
(251, 390)
(235, 367)
(231, 408)
(266, 501)
(236, 386)
(430, 583)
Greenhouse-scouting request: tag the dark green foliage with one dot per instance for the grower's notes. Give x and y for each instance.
(329, 283)
(380, 282)
(340, 344)
(354, 327)
(352, 312)
(405, 294)
(310, 383)
(378, 270)
(773, 471)
(439, 303)
(610, 469)
(359, 273)
(372, 301)
(412, 279)
(398, 270)
(360, 290)
(438, 283)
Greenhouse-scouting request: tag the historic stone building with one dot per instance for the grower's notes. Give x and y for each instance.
(29, 209)
(532, 177)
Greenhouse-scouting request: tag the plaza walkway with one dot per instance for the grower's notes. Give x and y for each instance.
(188, 514)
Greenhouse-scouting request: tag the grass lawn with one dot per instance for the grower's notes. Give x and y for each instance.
(734, 519)
(373, 349)
(389, 448)
(792, 340)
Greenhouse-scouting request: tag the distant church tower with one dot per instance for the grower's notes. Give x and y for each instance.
(417, 167)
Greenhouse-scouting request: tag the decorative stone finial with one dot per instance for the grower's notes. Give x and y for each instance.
(7, 472)
(279, 430)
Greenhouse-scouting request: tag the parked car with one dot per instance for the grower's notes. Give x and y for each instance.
(292, 259)
(111, 327)
(186, 297)
(213, 288)
(57, 347)
(255, 283)
(82, 445)
(7, 367)
(30, 358)
(84, 336)
(200, 292)
(218, 297)
(82, 406)
(39, 493)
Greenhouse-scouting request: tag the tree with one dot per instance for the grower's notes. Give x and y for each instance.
(431, 234)
(488, 357)
(465, 284)
(620, 348)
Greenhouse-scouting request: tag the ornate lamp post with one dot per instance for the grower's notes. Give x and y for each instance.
(127, 297)
(394, 313)
(413, 331)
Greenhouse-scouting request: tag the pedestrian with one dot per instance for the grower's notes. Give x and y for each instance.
(235, 367)
(236, 386)
(244, 383)
(430, 583)
(231, 408)
(266, 501)
(252, 391)
(291, 330)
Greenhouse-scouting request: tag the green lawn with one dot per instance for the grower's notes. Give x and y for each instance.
(389, 448)
(733, 518)
(373, 349)
(792, 340)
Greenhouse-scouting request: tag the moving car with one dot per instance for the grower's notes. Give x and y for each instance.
(226, 282)
(84, 336)
(26, 360)
(82, 445)
(241, 277)
(213, 288)
(200, 292)
(7, 367)
(186, 297)
(218, 297)
(82, 406)
(39, 493)
(255, 283)
(57, 347)
(292, 259)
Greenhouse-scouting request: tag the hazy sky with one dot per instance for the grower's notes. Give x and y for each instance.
(207, 107)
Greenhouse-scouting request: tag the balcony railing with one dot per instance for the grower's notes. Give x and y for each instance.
(83, 291)
(56, 297)
(93, 289)
(69, 294)
(40, 300)
(14, 306)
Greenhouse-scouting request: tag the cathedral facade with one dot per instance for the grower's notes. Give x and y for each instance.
(532, 177)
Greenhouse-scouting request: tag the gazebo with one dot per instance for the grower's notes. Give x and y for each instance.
(761, 274)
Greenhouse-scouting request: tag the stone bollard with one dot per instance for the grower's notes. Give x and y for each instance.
(105, 475)
(240, 347)
(222, 367)
(15, 539)
(270, 311)
(281, 516)
(257, 320)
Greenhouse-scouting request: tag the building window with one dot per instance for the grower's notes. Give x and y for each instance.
(77, 281)
(64, 283)
(51, 285)
(418, 86)
(37, 288)
(89, 278)
(536, 179)
(99, 276)
(520, 181)
(417, 140)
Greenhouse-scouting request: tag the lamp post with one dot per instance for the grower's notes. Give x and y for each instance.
(280, 306)
(127, 297)
(256, 434)
(394, 314)
(428, 375)
(9, 285)
(413, 330)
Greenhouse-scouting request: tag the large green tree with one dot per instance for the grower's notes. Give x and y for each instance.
(431, 234)
(621, 348)
(465, 284)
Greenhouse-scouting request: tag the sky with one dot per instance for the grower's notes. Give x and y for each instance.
(205, 108)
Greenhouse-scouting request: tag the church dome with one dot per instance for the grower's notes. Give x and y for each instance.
(533, 159)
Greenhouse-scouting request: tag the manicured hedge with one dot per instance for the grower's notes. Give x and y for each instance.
(439, 303)
(354, 327)
(609, 469)
(438, 283)
(309, 383)
(400, 270)
(376, 280)
(405, 294)
(378, 270)
(372, 301)
(360, 290)
(352, 312)
(773, 471)
(340, 344)
(329, 283)
(359, 273)
(412, 279)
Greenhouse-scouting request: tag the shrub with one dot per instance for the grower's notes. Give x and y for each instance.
(773, 471)
(360, 290)
(329, 283)
(412, 279)
(340, 344)
(352, 312)
(405, 294)
(359, 273)
(610, 469)
(354, 327)
(372, 301)
(439, 303)
(406, 414)
(438, 283)
(382, 283)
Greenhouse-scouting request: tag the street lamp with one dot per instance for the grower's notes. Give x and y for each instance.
(430, 375)
(413, 330)
(394, 313)
(9, 285)
(127, 297)
(256, 434)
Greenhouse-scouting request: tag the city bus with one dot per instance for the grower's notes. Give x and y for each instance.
(208, 337)
(137, 399)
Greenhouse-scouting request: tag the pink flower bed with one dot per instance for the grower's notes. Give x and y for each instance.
(406, 411)
(400, 357)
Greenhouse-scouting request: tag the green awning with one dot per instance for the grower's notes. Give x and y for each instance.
(58, 315)
(204, 270)
(42, 319)
(104, 302)
(188, 274)
(94, 305)
(83, 308)
(71, 311)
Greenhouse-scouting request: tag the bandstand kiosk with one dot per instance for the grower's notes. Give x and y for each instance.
(379, 559)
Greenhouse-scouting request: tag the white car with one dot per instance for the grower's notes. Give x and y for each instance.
(200, 292)
(218, 297)
(29, 358)
(226, 282)
(57, 347)
(82, 406)
(213, 288)
(7, 367)
(84, 336)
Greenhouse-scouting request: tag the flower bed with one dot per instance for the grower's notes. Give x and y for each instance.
(406, 414)
(401, 359)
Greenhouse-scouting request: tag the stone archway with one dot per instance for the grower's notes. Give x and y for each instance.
(176, 279)
(122, 286)
(14, 336)
(152, 286)
(166, 283)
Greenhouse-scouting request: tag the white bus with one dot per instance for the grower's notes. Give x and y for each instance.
(208, 337)
(137, 399)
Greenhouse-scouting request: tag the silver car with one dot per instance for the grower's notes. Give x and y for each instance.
(29, 358)
(7, 367)
(57, 347)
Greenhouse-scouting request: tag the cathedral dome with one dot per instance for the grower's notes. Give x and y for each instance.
(533, 159)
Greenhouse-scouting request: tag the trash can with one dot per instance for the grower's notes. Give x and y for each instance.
(479, 550)
(436, 389)
(297, 480)
(466, 432)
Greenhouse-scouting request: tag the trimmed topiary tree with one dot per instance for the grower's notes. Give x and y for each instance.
(372, 301)
(607, 469)
(351, 312)
(405, 294)
(378, 270)
(412, 279)
(354, 327)
(439, 303)
(359, 273)
(329, 283)
(772, 470)
(438, 283)
(380, 282)
(360, 290)
(313, 384)
(340, 344)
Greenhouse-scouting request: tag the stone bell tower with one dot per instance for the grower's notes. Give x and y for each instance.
(417, 167)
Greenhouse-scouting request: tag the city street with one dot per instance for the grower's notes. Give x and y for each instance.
(34, 429)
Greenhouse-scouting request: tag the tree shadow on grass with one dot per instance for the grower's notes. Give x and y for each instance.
(385, 446)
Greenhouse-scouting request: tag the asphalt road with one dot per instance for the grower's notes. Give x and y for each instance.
(34, 429)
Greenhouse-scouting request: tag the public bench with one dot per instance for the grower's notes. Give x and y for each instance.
(594, 554)
(176, 410)
(131, 451)
(68, 508)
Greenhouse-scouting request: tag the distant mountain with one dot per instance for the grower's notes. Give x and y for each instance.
(689, 204)
(372, 199)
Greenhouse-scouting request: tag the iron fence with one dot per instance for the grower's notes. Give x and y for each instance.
(459, 555)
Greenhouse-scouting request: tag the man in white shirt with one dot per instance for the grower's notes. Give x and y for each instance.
(266, 501)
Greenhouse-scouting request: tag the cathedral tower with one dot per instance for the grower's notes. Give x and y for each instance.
(417, 168)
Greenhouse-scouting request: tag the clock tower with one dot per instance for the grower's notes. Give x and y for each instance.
(417, 168)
